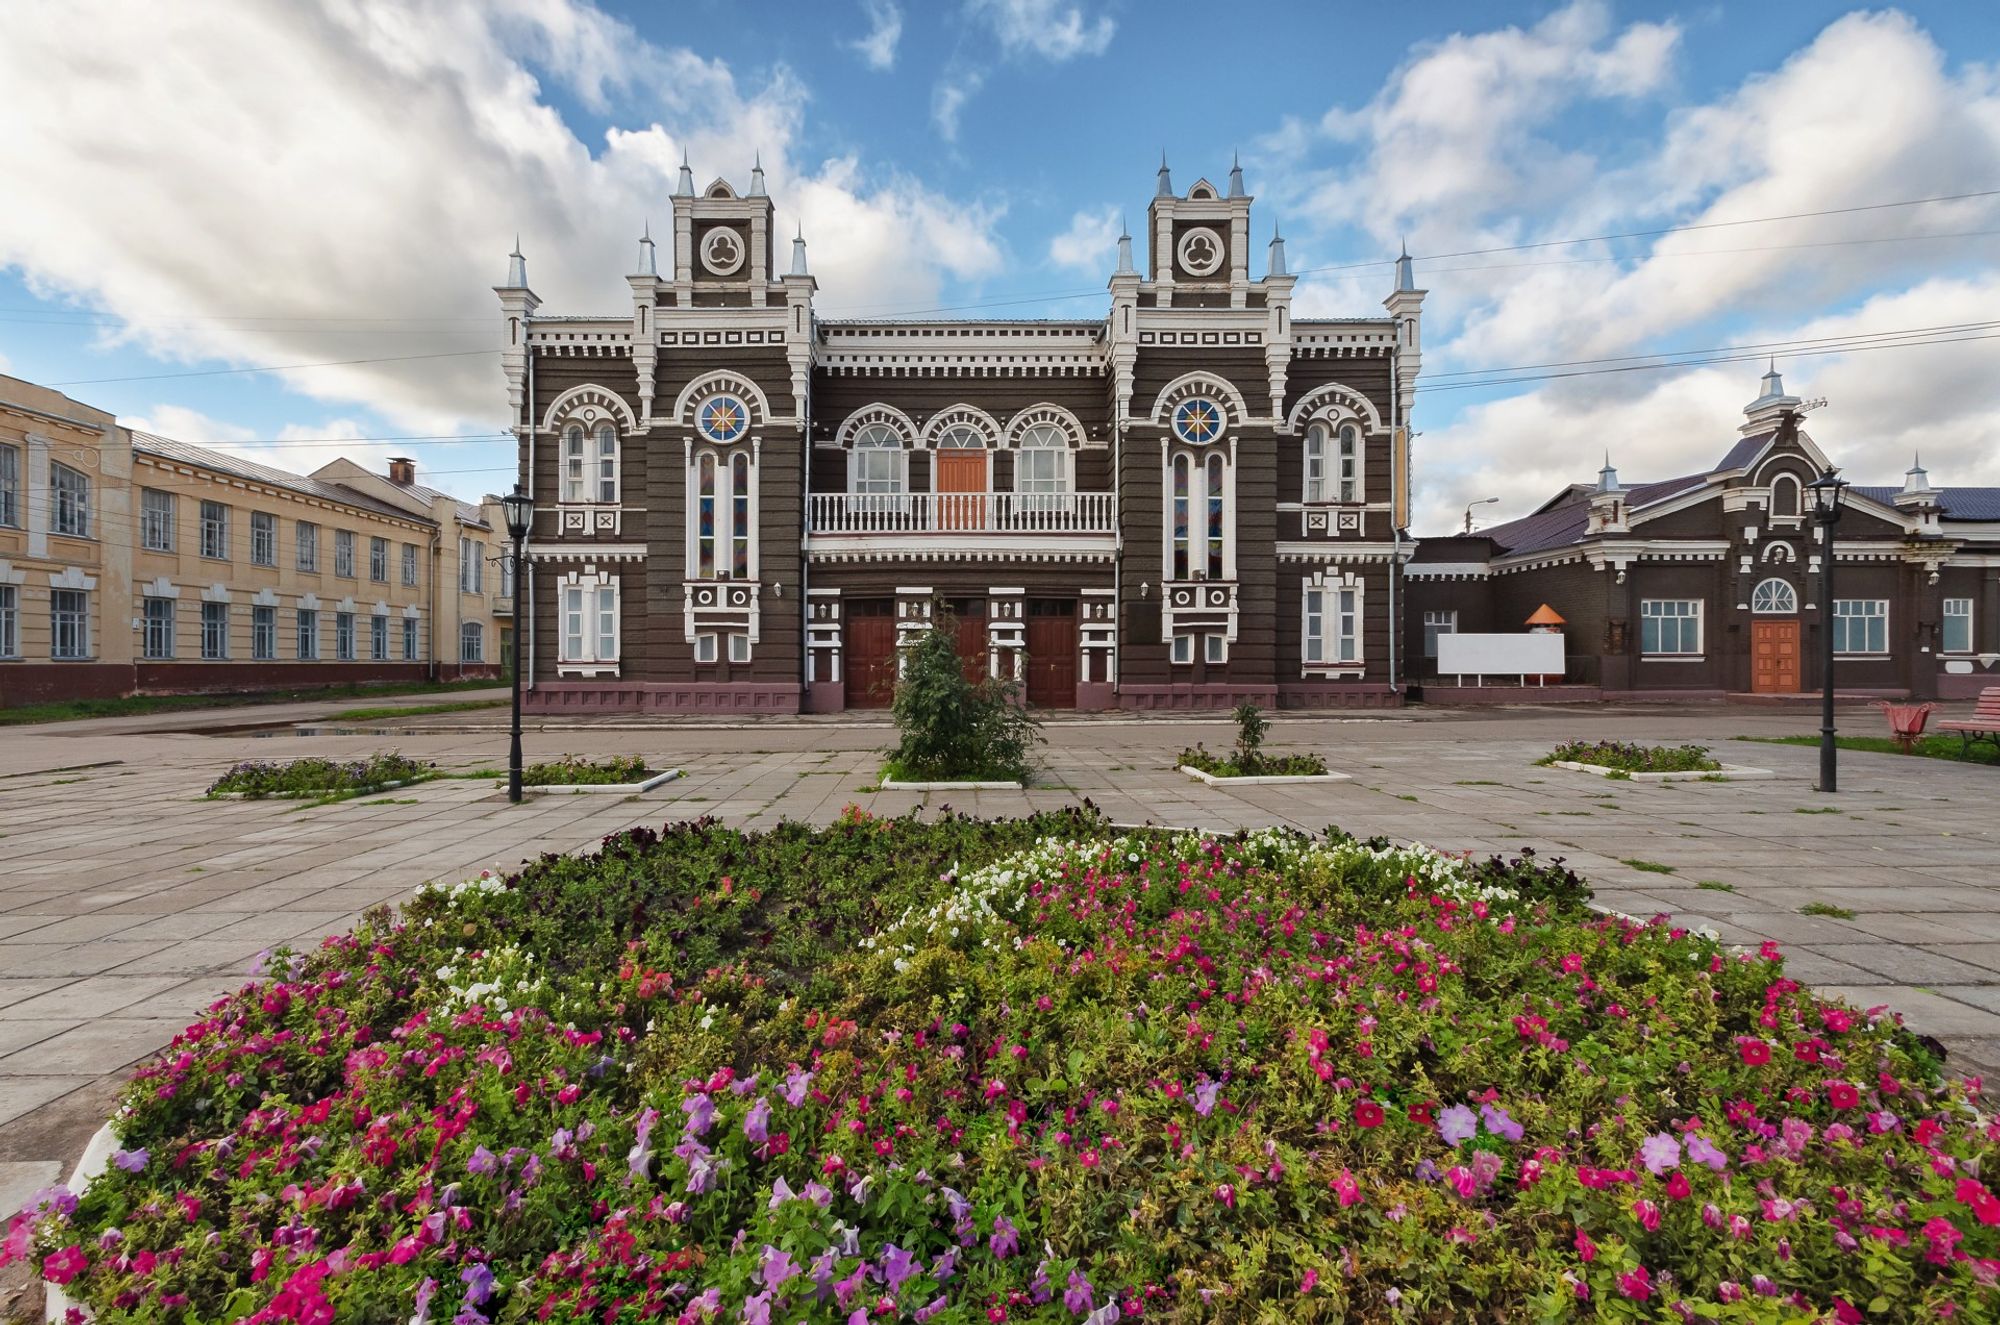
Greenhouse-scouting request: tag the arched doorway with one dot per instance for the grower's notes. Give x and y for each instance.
(1774, 638)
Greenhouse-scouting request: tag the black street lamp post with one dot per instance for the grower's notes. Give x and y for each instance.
(520, 509)
(1829, 493)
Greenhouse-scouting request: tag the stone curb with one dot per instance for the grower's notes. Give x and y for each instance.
(1214, 781)
(890, 784)
(1727, 773)
(581, 788)
(96, 1158)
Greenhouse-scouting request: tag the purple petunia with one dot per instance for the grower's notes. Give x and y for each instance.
(793, 1092)
(700, 1110)
(1006, 1239)
(1500, 1122)
(1078, 1296)
(132, 1161)
(1457, 1124)
(484, 1162)
(757, 1123)
(1660, 1153)
(425, 1292)
(777, 1268)
(639, 1160)
(1206, 1093)
(757, 1310)
(478, 1284)
(897, 1266)
(1704, 1151)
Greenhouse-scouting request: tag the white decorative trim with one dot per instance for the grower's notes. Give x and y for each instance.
(160, 587)
(216, 593)
(721, 383)
(9, 575)
(1447, 570)
(412, 612)
(265, 597)
(1071, 426)
(71, 577)
(592, 579)
(1333, 586)
(1332, 401)
(878, 412)
(587, 552)
(983, 423)
(582, 404)
(309, 602)
(344, 605)
(1206, 385)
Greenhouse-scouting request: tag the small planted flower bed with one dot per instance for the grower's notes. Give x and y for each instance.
(1651, 763)
(1030, 1071)
(1248, 762)
(576, 773)
(320, 778)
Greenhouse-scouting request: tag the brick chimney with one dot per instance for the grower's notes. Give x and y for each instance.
(402, 471)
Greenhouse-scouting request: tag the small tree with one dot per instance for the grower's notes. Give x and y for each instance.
(1251, 725)
(954, 728)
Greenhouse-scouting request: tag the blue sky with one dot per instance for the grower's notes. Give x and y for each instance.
(213, 187)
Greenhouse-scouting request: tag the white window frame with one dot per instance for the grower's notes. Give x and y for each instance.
(10, 621)
(1215, 648)
(1956, 609)
(215, 632)
(471, 642)
(604, 463)
(214, 518)
(1774, 603)
(156, 520)
(1331, 625)
(263, 538)
(343, 637)
(69, 619)
(589, 623)
(1437, 622)
(10, 486)
(263, 632)
(1183, 651)
(343, 553)
(409, 639)
(878, 439)
(307, 634)
(378, 637)
(739, 646)
(305, 541)
(729, 550)
(378, 559)
(471, 565)
(69, 501)
(1656, 609)
(1843, 617)
(1043, 442)
(1205, 486)
(1350, 452)
(157, 634)
(706, 648)
(574, 485)
(409, 565)
(1797, 513)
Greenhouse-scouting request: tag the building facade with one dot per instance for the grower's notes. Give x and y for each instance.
(1191, 500)
(1708, 585)
(132, 563)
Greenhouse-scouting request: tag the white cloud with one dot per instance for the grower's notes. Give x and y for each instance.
(885, 29)
(1087, 244)
(351, 189)
(948, 99)
(1052, 29)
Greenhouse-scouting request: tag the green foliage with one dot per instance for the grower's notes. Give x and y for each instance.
(1941, 746)
(1248, 759)
(952, 729)
(1625, 757)
(580, 771)
(1648, 866)
(1251, 725)
(257, 779)
(1826, 909)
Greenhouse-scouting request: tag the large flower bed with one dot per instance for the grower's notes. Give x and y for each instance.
(314, 776)
(827, 1076)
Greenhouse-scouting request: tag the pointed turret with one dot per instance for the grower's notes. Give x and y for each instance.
(1277, 263)
(517, 268)
(1607, 504)
(1125, 267)
(1916, 478)
(1165, 188)
(757, 177)
(1607, 477)
(1406, 270)
(1236, 177)
(684, 186)
(799, 252)
(1771, 402)
(648, 261)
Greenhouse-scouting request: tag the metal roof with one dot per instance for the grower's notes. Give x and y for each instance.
(1955, 503)
(166, 448)
(1563, 524)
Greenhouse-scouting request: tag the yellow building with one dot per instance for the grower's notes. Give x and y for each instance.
(65, 509)
(133, 563)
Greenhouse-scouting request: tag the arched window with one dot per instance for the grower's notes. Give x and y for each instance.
(1350, 462)
(724, 521)
(1774, 597)
(961, 437)
(877, 465)
(1315, 484)
(607, 464)
(1199, 515)
(1183, 482)
(739, 516)
(573, 486)
(706, 497)
(1042, 467)
(1213, 491)
(1785, 495)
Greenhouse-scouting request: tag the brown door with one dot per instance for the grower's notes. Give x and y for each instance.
(970, 613)
(1052, 652)
(959, 481)
(869, 657)
(1774, 656)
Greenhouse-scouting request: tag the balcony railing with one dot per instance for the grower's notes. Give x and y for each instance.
(962, 512)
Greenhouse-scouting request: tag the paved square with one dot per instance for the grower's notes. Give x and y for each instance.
(127, 902)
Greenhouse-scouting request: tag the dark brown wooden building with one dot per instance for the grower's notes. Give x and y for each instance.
(1708, 585)
(1190, 501)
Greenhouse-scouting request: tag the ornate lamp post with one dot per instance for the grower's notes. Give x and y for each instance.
(1829, 494)
(520, 510)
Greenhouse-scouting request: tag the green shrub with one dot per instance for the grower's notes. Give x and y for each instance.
(1248, 759)
(1625, 757)
(952, 729)
(579, 771)
(320, 777)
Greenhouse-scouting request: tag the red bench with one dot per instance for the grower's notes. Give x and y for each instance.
(1984, 725)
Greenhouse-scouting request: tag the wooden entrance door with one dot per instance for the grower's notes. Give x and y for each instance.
(869, 652)
(1052, 652)
(971, 616)
(960, 485)
(1774, 656)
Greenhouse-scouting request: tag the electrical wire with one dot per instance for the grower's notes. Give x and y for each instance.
(274, 368)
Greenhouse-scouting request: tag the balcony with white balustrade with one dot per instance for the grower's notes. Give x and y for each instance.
(961, 523)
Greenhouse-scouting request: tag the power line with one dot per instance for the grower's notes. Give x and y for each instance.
(1715, 252)
(496, 436)
(274, 368)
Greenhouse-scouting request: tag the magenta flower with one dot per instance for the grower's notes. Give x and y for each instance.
(1005, 1240)
(1077, 1297)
